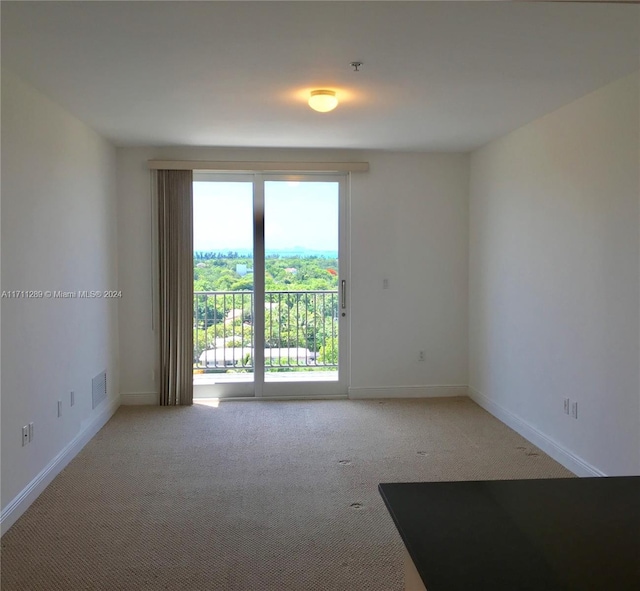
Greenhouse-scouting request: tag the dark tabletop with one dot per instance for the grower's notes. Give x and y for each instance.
(516, 535)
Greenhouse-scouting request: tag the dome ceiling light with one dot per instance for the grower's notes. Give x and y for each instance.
(323, 100)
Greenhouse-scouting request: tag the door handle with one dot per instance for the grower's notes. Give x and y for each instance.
(343, 293)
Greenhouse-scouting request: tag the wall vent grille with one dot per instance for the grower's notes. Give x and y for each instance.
(99, 388)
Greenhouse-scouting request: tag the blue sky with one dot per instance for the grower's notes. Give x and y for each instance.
(297, 215)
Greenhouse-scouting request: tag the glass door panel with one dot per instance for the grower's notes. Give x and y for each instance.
(223, 288)
(302, 282)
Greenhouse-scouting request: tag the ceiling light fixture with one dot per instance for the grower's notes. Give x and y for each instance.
(323, 100)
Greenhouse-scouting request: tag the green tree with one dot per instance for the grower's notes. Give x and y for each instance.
(329, 352)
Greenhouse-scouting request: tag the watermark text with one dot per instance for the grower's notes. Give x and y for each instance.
(58, 294)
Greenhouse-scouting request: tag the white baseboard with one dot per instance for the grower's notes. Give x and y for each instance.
(408, 392)
(137, 398)
(30, 493)
(552, 448)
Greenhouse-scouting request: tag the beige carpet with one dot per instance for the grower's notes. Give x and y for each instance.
(264, 496)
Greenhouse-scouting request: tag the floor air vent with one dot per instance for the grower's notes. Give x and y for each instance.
(99, 388)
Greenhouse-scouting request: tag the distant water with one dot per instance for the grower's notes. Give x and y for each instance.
(301, 252)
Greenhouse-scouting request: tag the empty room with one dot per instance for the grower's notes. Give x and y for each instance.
(318, 295)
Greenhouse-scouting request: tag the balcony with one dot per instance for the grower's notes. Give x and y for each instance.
(300, 335)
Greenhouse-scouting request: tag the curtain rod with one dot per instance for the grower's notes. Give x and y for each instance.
(258, 166)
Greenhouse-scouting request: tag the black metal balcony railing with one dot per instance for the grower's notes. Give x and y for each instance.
(300, 332)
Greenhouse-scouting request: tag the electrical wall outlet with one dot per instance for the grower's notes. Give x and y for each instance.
(72, 398)
(566, 406)
(421, 356)
(574, 410)
(30, 432)
(59, 408)
(385, 284)
(25, 435)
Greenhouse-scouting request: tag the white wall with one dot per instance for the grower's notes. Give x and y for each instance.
(409, 224)
(58, 233)
(554, 279)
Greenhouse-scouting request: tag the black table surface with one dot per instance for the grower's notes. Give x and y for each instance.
(564, 534)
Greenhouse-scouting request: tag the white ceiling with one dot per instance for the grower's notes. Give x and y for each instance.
(436, 75)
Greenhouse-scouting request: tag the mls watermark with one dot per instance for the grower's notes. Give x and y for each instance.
(60, 294)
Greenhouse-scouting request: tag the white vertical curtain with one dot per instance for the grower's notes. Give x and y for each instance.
(175, 273)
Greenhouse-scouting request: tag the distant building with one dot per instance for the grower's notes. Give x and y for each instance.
(241, 269)
(235, 356)
(225, 356)
(291, 270)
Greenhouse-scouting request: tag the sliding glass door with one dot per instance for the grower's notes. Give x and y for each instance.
(270, 285)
